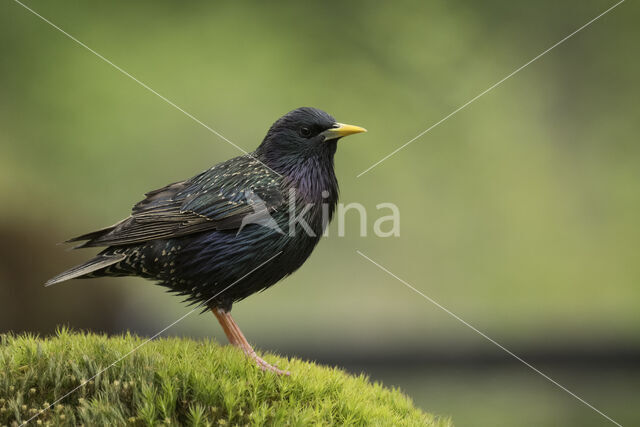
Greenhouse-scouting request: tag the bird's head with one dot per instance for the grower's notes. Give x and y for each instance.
(302, 134)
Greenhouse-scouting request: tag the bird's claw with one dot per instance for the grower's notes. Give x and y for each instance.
(266, 366)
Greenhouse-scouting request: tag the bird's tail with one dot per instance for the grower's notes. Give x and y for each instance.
(99, 262)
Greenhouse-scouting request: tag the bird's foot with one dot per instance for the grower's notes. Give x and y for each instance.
(264, 365)
(236, 338)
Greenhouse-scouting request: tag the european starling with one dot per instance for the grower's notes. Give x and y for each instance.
(234, 229)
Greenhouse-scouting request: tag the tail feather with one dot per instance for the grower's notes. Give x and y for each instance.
(97, 263)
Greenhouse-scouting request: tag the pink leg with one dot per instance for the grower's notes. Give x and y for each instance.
(235, 336)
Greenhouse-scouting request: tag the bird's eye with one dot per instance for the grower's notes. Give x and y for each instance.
(304, 132)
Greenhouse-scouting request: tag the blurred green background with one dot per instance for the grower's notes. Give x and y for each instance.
(519, 214)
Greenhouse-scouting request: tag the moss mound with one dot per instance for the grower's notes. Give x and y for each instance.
(181, 382)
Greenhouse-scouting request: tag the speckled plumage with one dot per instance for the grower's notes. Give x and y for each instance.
(185, 235)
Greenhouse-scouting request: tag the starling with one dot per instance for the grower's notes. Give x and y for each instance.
(234, 229)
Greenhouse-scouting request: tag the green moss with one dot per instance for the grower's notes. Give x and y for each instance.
(181, 381)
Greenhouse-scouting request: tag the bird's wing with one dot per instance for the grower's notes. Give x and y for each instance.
(217, 199)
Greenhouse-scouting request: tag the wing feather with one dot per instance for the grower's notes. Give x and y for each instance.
(216, 199)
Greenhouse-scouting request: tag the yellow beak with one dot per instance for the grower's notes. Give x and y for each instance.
(339, 130)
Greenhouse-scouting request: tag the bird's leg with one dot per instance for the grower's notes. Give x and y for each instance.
(236, 337)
